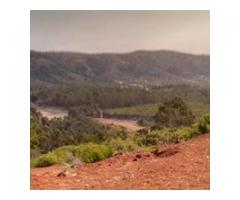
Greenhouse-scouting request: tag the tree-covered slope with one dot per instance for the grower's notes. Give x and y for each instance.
(140, 68)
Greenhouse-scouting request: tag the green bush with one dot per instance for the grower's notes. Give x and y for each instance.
(93, 152)
(87, 153)
(186, 133)
(119, 141)
(65, 154)
(155, 137)
(168, 136)
(151, 138)
(45, 160)
(173, 113)
(165, 136)
(121, 145)
(204, 124)
(121, 132)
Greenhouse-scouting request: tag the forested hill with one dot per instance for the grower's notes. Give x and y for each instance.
(136, 68)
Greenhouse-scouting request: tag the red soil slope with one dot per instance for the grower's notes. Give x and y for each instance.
(181, 166)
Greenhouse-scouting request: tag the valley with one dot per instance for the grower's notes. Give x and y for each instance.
(119, 100)
(91, 129)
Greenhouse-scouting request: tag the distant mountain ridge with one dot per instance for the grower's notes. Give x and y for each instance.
(136, 68)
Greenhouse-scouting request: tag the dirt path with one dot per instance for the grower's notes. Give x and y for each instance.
(180, 166)
(129, 124)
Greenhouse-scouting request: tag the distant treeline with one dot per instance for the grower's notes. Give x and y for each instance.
(113, 96)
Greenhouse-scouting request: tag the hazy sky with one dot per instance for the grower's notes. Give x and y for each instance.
(120, 31)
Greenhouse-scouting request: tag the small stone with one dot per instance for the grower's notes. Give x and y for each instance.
(62, 174)
(138, 156)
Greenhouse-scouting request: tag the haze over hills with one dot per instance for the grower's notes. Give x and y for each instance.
(135, 68)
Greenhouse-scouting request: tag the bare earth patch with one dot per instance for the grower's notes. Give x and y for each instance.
(51, 112)
(129, 124)
(181, 166)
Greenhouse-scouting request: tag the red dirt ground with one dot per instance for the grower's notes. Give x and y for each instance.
(181, 166)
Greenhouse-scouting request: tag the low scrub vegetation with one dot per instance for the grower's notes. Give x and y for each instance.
(76, 138)
(45, 160)
(145, 138)
(164, 136)
(119, 145)
(148, 137)
(147, 111)
(204, 124)
(47, 135)
(87, 153)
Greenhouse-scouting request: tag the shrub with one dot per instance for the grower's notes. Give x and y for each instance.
(45, 160)
(151, 138)
(155, 137)
(121, 132)
(65, 154)
(168, 136)
(87, 153)
(121, 145)
(93, 152)
(165, 136)
(204, 124)
(173, 113)
(186, 133)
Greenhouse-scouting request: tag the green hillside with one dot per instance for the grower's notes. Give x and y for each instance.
(149, 110)
(139, 68)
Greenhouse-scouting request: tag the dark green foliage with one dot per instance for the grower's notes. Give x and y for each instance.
(85, 110)
(165, 136)
(204, 124)
(122, 133)
(91, 98)
(173, 135)
(35, 133)
(145, 112)
(157, 67)
(173, 113)
(148, 138)
(47, 134)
